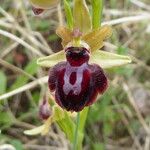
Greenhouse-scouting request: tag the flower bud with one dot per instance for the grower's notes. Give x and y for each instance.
(40, 5)
(44, 109)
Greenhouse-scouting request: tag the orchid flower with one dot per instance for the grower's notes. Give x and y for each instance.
(76, 75)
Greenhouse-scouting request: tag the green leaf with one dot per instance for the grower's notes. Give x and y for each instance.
(109, 60)
(127, 71)
(97, 8)
(68, 126)
(17, 144)
(3, 83)
(50, 61)
(81, 16)
(63, 119)
(5, 118)
(83, 116)
(68, 13)
(58, 113)
(31, 68)
(107, 129)
(98, 146)
(3, 137)
(122, 50)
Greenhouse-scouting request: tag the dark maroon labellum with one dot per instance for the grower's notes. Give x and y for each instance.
(37, 11)
(75, 82)
(44, 109)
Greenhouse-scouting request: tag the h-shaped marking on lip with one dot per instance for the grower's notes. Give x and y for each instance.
(76, 87)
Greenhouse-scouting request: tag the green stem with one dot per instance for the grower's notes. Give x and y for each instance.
(75, 141)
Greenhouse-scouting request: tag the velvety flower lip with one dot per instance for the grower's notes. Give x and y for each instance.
(76, 87)
(76, 82)
(76, 56)
(37, 11)
(44, 109)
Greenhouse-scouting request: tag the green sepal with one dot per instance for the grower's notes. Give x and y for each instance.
(108, 60)
(102, 58)
(81, 16)
(52, 60)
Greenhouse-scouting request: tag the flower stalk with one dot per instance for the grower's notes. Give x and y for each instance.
(75, 141)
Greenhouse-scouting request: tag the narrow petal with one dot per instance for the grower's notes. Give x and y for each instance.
(50, 61)
(44, 109)
(95, 38)
(109, 60)
(35, 131)
(65, 34)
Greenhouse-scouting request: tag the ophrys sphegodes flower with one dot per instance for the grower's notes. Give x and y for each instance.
(77, 78)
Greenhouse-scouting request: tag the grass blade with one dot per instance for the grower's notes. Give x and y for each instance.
(97, 7)
(68, 13)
